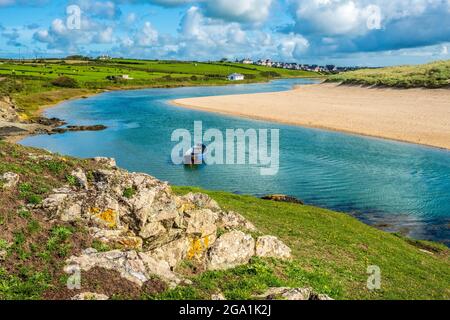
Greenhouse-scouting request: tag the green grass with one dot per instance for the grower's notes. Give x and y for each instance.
(432, 75)
(31, 83)
(332, 252)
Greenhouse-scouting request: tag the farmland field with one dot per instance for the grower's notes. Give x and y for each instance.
(33, 83)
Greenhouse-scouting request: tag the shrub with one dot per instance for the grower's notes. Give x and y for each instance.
(65, 82)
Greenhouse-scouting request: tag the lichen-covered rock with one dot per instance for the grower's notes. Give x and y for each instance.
(230, 250)
(9, 180)
(292, 294)
(90, 296)
(272, 247)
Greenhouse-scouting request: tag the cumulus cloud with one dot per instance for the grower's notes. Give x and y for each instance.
(59, 36)
(100, 9)
(249, 11)
(369, 25)
(148, 36)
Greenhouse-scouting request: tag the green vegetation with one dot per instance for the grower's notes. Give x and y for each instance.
(129, 192)
(37, 83)
(432, 75)
(332, 252)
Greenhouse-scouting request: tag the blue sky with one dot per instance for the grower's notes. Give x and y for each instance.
(342, 32)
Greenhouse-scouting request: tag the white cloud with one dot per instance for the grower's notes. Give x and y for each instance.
(148, 36)
(248, 11)
(293, 46)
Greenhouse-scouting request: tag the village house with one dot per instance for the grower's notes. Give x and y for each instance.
(247, 61)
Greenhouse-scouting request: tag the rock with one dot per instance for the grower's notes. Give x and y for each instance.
(201, 200)
(232, 220)
(282, 198)
(161, 269)
(230, 250)
(133, 266)
(173, 253)
(10, 180)
(292, 294)
(109, 162)
(3, 254)
(90, 296)
(201, 223)
(272, 247)
(218, 297)
(152, 230)
(128, 264)
(81, 178)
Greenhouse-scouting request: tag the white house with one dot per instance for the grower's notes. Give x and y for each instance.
(247, 61)
(236, 77)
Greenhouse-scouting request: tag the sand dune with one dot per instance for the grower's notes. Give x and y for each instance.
(419, 116)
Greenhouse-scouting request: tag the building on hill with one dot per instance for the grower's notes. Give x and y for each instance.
(104, 57)
(247, 61)
(236, 77)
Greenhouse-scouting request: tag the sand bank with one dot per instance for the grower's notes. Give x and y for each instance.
(419, 116)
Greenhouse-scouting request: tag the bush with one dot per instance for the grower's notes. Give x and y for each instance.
(65, 82)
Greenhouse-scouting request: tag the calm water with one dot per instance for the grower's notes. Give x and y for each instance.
(401, 186)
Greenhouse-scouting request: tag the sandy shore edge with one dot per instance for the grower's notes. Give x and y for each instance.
(394, 125)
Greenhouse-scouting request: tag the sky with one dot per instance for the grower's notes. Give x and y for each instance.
(340, 32)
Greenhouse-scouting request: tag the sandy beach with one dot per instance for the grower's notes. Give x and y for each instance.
(420, 116)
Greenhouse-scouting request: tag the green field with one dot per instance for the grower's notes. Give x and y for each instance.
(432, 75)
(31, 83)
(331, 250)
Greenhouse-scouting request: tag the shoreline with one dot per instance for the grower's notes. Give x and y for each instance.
(311, 117)
(32, 129)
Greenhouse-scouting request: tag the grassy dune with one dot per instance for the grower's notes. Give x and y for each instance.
(432, 75)
(32, 84)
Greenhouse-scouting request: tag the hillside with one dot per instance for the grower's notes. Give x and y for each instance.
(42, 228)
(33, 84)
(432, 75)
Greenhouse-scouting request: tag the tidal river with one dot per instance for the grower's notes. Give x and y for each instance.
(393, 185)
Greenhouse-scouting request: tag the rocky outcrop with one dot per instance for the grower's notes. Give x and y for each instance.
(9, 180)
(148, 231)
(292, 294)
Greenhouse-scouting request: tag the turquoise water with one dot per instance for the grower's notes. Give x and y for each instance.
(397, 185)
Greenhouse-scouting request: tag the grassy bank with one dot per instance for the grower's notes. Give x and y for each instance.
(37, 83)
(331, 250)
(432, 75)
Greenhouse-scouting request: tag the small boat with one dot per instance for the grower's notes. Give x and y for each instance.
(195, 155)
